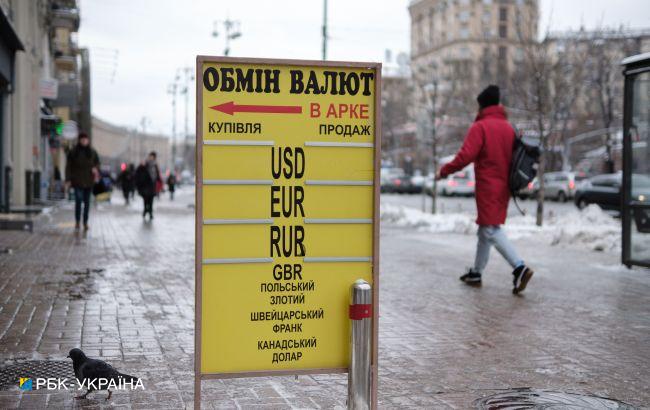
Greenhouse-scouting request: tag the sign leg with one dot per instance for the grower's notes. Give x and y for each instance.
(197, 392)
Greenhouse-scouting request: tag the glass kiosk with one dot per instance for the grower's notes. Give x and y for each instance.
(635, 209)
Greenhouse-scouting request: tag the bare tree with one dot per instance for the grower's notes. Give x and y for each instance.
(606, 48)
(546, 84)
(396, 96)
(436, 91)
(569, 84)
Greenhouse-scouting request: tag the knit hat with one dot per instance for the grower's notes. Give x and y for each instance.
(489, 96)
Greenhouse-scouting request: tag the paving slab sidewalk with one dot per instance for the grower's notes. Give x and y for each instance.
(124, 293)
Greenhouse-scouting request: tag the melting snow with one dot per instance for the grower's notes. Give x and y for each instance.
(590, 228)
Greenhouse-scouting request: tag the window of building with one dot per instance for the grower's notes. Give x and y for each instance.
(503, 14)
(519, 54)
(487, 1)
(464, 2)
(503, 31)
(503, 53)
(486, 62)
(463, 16)
(463, 32)
(487, 15)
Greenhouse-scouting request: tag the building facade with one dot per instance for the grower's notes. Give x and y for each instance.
(475, 42)
(458, 47)
(41, 92)
(595, 140)
(116, 145)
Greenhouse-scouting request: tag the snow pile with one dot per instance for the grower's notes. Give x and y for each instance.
(412, 218)
(590, 228)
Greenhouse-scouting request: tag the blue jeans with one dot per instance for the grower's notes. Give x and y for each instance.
(489, 235)
(81, 195)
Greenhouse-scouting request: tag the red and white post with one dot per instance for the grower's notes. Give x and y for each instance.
(359, 374)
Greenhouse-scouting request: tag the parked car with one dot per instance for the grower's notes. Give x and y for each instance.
(461, 183)
(388, 178)
(405, 185)
(603, 190)
(641, 196)
(418, 182)
(562, 185)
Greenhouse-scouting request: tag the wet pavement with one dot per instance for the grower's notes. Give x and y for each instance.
(125, 293)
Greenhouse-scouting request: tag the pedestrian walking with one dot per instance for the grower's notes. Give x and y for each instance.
(131, 168)
(147, 179)
(81, 172)
(171, 185)
(489, 144)
(126, 179)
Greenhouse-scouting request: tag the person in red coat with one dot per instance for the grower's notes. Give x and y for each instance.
(488, 144)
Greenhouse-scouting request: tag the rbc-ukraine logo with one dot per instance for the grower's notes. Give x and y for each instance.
(25, 383)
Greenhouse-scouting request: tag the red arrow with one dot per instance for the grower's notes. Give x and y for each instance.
(230, 108)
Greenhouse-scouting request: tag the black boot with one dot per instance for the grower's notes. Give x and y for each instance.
(522, 275)
(472, 278)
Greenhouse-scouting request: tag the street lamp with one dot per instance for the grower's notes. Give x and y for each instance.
(188, 73)
(173, 89)
(232, 32)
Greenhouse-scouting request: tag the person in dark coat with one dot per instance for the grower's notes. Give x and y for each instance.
(81, 172)
(171, 185)
(126, 181)
(489, 144)
(131, 169)
(147, 177)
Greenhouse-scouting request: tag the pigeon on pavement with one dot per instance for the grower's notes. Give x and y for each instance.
(88, 370)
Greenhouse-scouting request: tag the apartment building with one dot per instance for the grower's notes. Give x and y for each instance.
(476, 41)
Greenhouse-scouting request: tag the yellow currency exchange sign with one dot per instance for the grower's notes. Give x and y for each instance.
(287, 212)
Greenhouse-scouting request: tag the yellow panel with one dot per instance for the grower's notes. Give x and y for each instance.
(235, 241)
(337, 163)
(236, 201)
(338, 201)
(232, 292)
(338, 240)
(288, 129)
(232, 162)
(233, 339)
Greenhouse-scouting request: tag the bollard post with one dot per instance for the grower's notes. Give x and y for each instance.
(359, 376)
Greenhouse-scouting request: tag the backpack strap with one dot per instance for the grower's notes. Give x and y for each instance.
(512, 193)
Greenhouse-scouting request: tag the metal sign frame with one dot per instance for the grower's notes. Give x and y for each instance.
(198, 375)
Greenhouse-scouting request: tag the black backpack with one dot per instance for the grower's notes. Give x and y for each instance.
(523, 167)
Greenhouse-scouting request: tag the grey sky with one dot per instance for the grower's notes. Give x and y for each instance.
(155, 37)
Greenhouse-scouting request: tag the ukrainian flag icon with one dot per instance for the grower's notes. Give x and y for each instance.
(25, 383)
